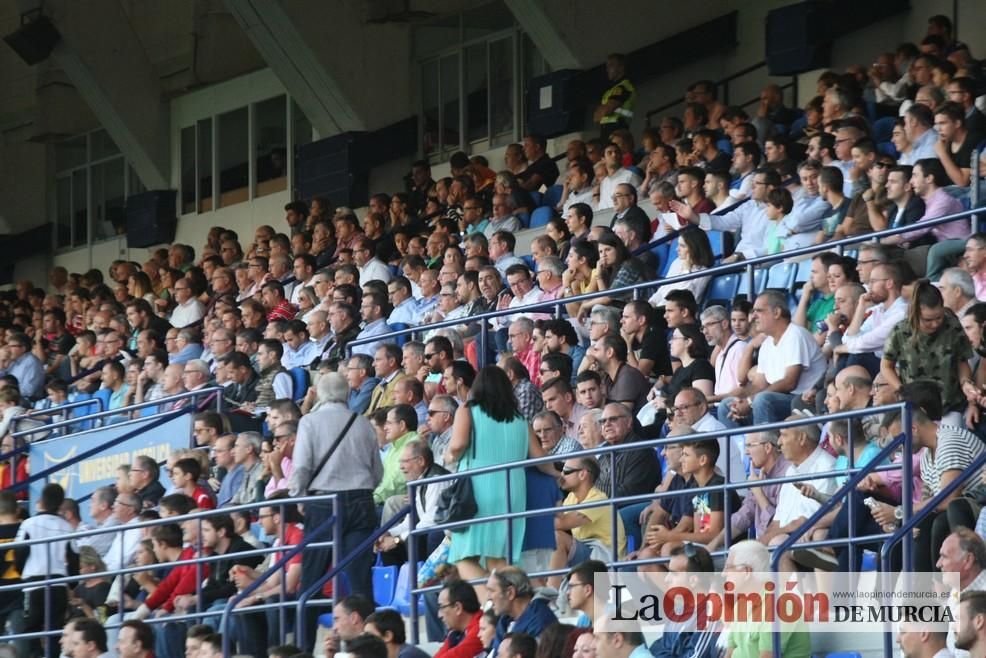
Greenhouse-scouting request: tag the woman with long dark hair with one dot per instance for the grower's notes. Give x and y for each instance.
(694, 253)
(617, 268)
(489, 430)
(930, 344)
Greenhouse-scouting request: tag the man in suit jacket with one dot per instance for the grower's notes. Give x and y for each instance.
(387, 364)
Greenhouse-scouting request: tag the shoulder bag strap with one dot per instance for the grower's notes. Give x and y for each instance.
(335, 444)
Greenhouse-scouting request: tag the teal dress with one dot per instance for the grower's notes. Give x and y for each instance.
(498, 443)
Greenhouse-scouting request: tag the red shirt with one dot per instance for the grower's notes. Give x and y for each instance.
(203, 499)
(284, 310)
(468, 647)
(180, 580)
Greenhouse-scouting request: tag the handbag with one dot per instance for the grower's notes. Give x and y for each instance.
(457, 502)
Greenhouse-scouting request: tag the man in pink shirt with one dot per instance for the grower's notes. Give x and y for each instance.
(974, 261)
(280, 458)
(927, 179)
(521, 337)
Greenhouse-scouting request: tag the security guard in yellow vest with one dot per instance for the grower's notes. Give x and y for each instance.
(616, 109)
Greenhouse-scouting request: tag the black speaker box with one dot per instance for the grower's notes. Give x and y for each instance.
(798, 38)
(151, 218)
(34, 41)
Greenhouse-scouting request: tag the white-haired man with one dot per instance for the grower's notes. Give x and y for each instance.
(336, 452)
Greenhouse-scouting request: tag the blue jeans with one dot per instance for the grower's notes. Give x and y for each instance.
(631, 522)
(771, 407)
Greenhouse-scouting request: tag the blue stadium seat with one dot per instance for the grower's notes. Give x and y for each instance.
(103, 395)
(541, 216)
(661, 253)
(525, 219)
(635, 170)
(398, 326)
(529, 261)
(781, 276)
(722, 290)
(671, 255)
(537, 196)
(804, 271)
(552, 196)
(402, 593)
(299, 378)
(759, 279)
(883, 129)
(869, 561)
(384, 583)
(844, 654)
(717, 242)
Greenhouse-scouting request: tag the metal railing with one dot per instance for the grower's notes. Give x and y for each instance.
(43, 474)
(201, 562)
(746, 266)
(724, 92)
(63, 407)
(125, 411)
(613, 501)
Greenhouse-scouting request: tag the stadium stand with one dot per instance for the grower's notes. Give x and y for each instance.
(753, 343)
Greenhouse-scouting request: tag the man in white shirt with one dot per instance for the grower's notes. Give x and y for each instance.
(304, 271)
(101, 512)
(919, 126)
(417, 461)
(503, 218)
(877, 313)
(502, 245)
(298, 350)
(616, 174)
(799, 445)
(44, 609)
(789, 364)
(578, 183)
(370, 267)
(691, 409)
(800, 226)
(318, 330)
(126, 507)
(749, 219)
(189, 310)
(405, 306)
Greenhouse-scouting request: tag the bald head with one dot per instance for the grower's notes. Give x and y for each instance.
(852, 386)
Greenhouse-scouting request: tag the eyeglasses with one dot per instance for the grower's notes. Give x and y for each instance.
(610, 419)
(683, 407)
(569, 471)
(446, 605)
(432, 412)
(881, 165)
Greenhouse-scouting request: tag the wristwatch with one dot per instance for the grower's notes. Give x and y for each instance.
(899, 513)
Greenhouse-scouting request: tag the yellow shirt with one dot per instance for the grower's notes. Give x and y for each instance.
(600, 526)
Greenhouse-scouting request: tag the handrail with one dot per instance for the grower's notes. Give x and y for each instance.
(62, 407)
(847, 491)
(123, 411)
(908, 524)
(613, 501)
(726, 268)
(340, 564)
(719, 83)
(126, 436)
(199, 516)
(307, 540)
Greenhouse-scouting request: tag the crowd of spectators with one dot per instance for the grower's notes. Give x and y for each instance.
(271, 321)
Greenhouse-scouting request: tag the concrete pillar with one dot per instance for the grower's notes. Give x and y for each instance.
(106, 62)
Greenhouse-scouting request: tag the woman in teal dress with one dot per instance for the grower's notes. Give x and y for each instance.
(502, 435)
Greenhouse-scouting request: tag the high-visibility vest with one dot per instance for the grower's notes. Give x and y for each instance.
(623, 113)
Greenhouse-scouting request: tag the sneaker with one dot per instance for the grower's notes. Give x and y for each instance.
(815, 558)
